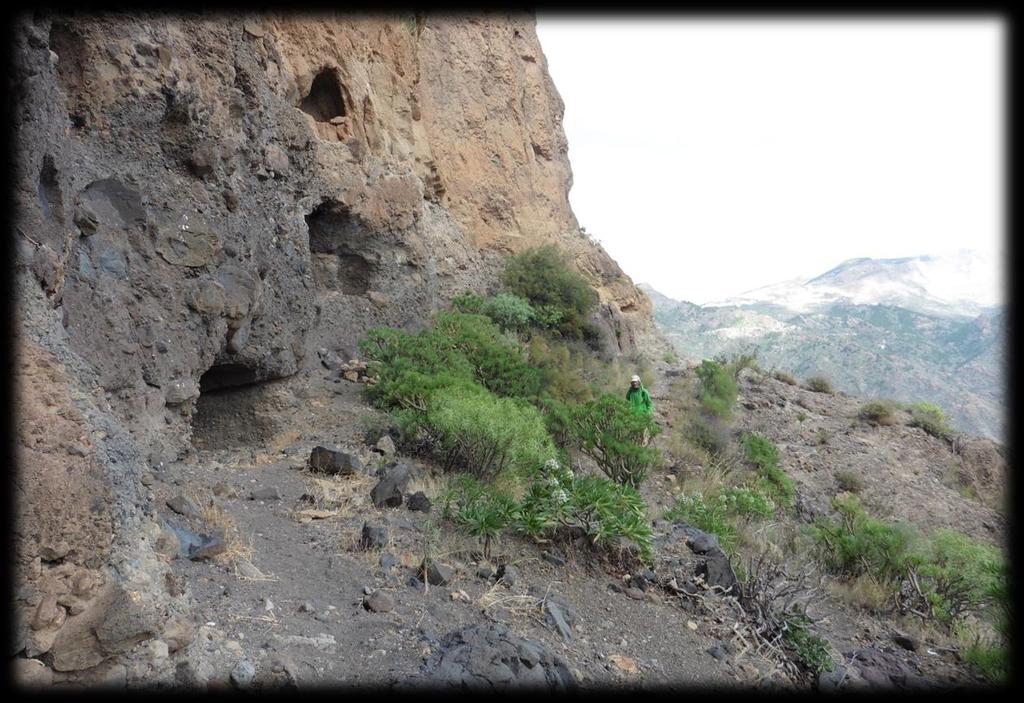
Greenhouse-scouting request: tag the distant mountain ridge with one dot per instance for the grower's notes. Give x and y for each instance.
(918, 328)
(961, 284)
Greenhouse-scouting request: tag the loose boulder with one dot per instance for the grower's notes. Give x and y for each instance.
(493, 657)
(331, 462)
(391, 488)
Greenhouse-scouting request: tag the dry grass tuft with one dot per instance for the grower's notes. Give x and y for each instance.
(863, 592)
(236, 549)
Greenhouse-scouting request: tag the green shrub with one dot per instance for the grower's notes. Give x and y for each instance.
(710, 514)
(810, 650)
(717, 388)
(483, 434)
(860, 544)
(611, 434)
(801, 416)
(496, 362)
(561, 298)
(410, 368)
(993, 661)
(765, 456)
(819, 384)
(849, 482)
(604, 510)
(740, 362)
(929, 418)
(670, 357)
(508, 311)
(741, 500)
(482, 510)
(960, 575)
(954, 574)
(877, 412)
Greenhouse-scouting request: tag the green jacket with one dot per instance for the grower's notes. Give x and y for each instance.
(639, 400)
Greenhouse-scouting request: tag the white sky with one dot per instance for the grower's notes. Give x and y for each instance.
(711, 157)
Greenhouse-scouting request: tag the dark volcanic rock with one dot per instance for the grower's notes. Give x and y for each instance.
(183, 506)
(491, 656)
(418, 501)
(716, 570)
(883, 669)
(389, 491)
(265, 493)
(373, 537)
(435, 573)
(330, 461)
(378, 602)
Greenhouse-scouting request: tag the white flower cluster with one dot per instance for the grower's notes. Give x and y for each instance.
(557, 478)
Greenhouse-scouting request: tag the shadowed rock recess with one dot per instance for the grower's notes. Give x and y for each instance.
(200, 204)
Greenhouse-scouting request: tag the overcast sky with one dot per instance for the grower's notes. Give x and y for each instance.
(711, 157)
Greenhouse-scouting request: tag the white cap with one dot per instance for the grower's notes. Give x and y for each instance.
(635, 379)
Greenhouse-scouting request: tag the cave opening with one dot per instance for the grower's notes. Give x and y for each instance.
(50, 199)
(325, 100)
(337, 242)
(233, 409)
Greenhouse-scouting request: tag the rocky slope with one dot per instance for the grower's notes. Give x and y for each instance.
(203, 202)
(210, 213)
(881, 350)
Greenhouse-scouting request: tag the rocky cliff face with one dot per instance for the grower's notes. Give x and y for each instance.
(201, 204)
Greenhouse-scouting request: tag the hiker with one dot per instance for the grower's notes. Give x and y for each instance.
(638, 397)
(640, 402)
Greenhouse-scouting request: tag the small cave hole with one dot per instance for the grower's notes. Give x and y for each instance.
(336, 242)
(233, 409)
(325, 100)
(50, 199)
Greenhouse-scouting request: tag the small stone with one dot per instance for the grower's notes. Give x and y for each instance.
(552, 558)
(387, 561)
(178, 633)
(147, 479)
(31, 673)
(373, 537)
(253, 29)
(717, 652)
(331, 462)
(378, 602)
(389, 490)
(635, 593)
(435, 573)
(352, 376)
(243, 673)
(209, 547)
(377, 298)
(265, 493)
(385, 445)
(625, 664)
(692, 625)
(508, 575)
(486, 571)
(225, 490)
(183, 506)
(418, 501)
(307, 607)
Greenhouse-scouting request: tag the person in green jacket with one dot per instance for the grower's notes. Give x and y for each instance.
(639, 401)
(638, 397)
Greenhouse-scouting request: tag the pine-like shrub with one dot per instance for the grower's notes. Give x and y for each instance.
(612, 435)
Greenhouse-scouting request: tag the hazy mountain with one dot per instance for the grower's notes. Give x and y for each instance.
(920, 328)
(961, 284)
